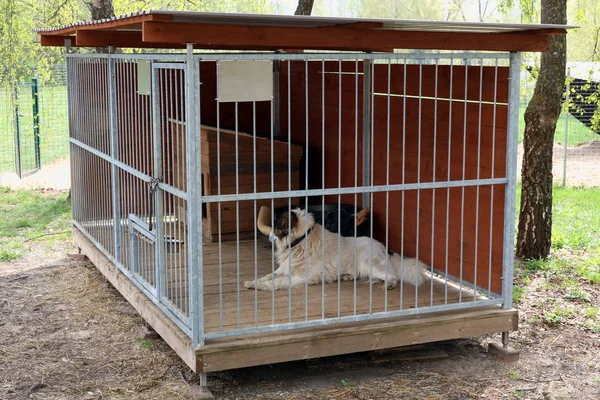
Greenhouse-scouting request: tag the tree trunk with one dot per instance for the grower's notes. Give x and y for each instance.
(535, 217)
(304, 7)
(101, 9)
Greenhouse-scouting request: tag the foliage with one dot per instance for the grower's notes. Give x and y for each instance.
(576, 215)
(575, 239)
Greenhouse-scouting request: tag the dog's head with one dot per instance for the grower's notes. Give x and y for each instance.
(291, 225)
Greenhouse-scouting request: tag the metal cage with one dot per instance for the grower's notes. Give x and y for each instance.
(170, 167)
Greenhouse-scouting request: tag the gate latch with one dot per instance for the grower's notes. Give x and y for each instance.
(152, 186)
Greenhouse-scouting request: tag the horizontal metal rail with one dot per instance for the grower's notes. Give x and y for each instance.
(167, 188)
(162, 56)
(354, 318)
(349, 56)
(352, 190)
(301, 56)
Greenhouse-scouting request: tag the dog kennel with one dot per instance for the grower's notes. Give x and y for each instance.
(173, 154)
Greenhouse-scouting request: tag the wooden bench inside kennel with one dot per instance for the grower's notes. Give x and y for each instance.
(219, 156)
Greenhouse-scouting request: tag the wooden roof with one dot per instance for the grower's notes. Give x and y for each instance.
(173, 29)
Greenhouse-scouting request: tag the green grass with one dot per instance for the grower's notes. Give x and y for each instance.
(591, 312)
(576, 218)
(578, 133)
(575, 245)
(27, 215)
(579, 295)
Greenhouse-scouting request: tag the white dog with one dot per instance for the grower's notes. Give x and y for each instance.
(293, 243)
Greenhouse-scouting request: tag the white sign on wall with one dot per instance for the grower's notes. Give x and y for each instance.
(245, 81)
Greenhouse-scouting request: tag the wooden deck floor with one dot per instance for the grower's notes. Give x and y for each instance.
(267, 348)
(229, 305)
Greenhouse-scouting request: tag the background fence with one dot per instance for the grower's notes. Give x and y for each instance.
(576, 158)
(34, 128)
(576, 155)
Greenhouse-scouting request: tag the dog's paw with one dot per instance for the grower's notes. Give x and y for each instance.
(249, 284)
(266, 286)
(392, 284)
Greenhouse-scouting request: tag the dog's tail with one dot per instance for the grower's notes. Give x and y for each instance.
(409, 270)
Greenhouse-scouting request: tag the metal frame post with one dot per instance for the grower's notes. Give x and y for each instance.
(508, 256)
(157, 173)
(564, 180)
(194, 181)
(36, 122)
(17, 139)
(114, 150)
(366, 129)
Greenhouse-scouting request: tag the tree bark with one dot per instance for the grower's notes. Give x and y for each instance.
(535, 217)
(304, 7)
(101, 9)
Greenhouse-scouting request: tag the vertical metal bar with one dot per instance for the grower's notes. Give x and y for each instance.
(323, 186)
(387, 182)
(114, 154)
(372, 175)
(272, 141)
(289, 148)
(355, 176)
(418, 210)
(493, 175)
(194, 179)
(366, 140)
(237, 217)
(339, 197)
(177, 183)
(255, 219)
(462, 189)
(567, 99)
(433, 177)
(168, 149)
(448, 177)
(218, 105)
(276, 98)
(306, 184)
(511, 175)
(158, 172)
(476, 266)
(403, 182)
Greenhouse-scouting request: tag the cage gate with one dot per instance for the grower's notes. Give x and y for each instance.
(165, 83)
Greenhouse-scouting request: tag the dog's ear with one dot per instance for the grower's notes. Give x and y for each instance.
(285, 223)
(293, 221)
(282, 225)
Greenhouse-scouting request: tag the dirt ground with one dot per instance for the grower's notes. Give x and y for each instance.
(65, 333)
(54, 176)
(583, 164)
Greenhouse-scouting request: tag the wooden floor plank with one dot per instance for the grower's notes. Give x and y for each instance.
(222, 304)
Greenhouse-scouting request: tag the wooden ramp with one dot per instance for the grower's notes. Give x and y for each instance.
(257, 309)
